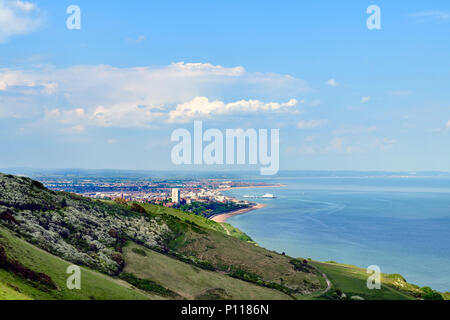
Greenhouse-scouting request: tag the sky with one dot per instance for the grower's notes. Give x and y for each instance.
(110, 94)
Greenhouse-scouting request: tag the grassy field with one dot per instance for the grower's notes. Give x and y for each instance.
(226, 253)
(226, 247)
(9, 293)
(184, 216)
(199, 221)
(236, 233)
(189, 281)
(94, 285)
(353, 282)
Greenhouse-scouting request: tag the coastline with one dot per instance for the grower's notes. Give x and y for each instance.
(223, 217)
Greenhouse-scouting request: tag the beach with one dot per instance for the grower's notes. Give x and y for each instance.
(223, 217)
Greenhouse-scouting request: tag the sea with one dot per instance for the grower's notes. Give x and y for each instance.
(400, 224)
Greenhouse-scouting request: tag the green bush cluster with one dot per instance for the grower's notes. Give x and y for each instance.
(148, 285)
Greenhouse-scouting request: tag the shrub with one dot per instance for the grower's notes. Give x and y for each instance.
(148, 285)
(20, 270)
(300, 265)
(120, 201)
(137, 208)
(430, 294)
(8, 216)
(117, 257)
(139, 252)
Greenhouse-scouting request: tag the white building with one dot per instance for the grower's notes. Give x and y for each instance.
(176, 195)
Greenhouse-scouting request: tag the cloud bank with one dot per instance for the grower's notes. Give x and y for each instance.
(102, 95)
(17, 18)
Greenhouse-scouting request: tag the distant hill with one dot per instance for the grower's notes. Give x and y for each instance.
(133, 251)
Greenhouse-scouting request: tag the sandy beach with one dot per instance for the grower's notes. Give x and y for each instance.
(223, 217)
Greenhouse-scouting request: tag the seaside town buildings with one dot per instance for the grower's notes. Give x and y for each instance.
(165, 192)
(176, 196)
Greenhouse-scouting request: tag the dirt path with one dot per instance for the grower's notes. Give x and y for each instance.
(226, 230)
(328, 283)
(326, 279)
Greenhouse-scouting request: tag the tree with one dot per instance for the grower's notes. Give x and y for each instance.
(430, 294)
(120, 201)
(137, 208)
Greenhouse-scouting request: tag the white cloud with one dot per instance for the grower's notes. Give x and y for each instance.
(354, 130)
(446, 128)
(400, 93)
(337, 145)
(435, 14)
(75, 129)
(315, 103)
(312, 124)
(23, 5)
(201, 107)
(144, 96)
(307, 150)
(65, 116)
(365, 99)
(332, 83)
(139, 39)
(17, 18)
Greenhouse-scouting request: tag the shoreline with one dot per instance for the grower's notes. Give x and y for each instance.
(225, 216)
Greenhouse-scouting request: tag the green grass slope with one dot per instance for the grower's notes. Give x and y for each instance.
(237, 256)
(8, 292)
(352, 281)
(190, 281)
(184, 255)
(94, 285)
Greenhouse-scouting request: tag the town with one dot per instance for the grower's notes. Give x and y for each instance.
(199, 196)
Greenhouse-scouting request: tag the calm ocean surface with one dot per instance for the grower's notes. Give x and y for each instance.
(400, 224)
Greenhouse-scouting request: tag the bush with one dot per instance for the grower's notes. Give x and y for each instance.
(20, 270)
(430, 294)
(300, 265)
(139, 252)
(120, 201)
(137, 208)
(148, 285)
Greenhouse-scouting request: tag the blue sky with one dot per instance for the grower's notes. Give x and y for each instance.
(109, 95)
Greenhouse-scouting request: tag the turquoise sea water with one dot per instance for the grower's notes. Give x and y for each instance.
(400, 224)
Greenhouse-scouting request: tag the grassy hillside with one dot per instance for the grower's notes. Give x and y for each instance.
(198, 221)
(198, 238)
(133, 251)
(352, 281)
(7, 292)
(189, 281)
(93, 234)
(94, 285)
